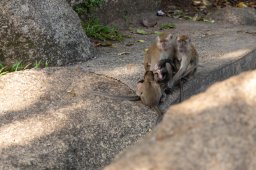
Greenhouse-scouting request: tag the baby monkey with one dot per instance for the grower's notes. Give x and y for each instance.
(148, 91)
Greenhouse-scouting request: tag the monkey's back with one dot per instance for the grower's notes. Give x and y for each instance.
(152, 96)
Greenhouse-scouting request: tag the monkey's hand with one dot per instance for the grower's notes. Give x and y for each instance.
(156, 67)
(159, 76)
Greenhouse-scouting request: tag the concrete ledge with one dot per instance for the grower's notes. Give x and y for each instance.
(204, 79)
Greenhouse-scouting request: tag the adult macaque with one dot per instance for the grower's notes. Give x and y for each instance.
(186, 59)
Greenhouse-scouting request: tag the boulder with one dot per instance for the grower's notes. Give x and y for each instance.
(213, 130)
(41, 30)
(51, 119)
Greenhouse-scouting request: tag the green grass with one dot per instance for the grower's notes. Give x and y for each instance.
(94, 29)
(167, 26)
(20, 66)
(37, 64)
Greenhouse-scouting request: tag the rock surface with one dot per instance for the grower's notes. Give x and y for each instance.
(49, 119)
(41, 30)
(214, 130)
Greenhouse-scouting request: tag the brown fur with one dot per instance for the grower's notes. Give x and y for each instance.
(156, 52)
(186, 59)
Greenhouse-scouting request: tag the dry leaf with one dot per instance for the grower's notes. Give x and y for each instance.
(123, 53)
(141, 41)
(141, 31)
(241, 5)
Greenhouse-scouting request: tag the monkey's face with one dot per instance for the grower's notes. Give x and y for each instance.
(182, 43)
(164, 42)
(181, 46)
(160, 75)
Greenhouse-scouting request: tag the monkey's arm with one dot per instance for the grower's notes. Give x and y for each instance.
(183, 67)
(190, 71)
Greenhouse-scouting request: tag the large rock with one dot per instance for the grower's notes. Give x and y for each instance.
(238, 16)
(41, 30)
(124, 8)
(49, 119)
(215, 130)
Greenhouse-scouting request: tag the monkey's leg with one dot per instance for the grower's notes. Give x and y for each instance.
(189, 73)
(168, 67)
(183, 68)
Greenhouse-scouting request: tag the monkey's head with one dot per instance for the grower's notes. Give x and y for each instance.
(149, 76)
(183, 41)
(164, 41)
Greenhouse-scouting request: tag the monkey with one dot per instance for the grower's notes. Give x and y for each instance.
(148, 91)
(164, 71)
(161, 49)
(186, 59)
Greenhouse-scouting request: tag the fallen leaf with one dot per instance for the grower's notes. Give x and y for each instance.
(196, 3)
(123, 53)
(142, 41)
(157, 32)
(141, 31)
(241, 5)
(167, 26)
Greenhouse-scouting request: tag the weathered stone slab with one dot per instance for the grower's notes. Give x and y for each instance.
(41, 30)
(213, 130)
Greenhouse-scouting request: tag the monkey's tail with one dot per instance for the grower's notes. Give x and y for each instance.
(130, 98)
(160, 114)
